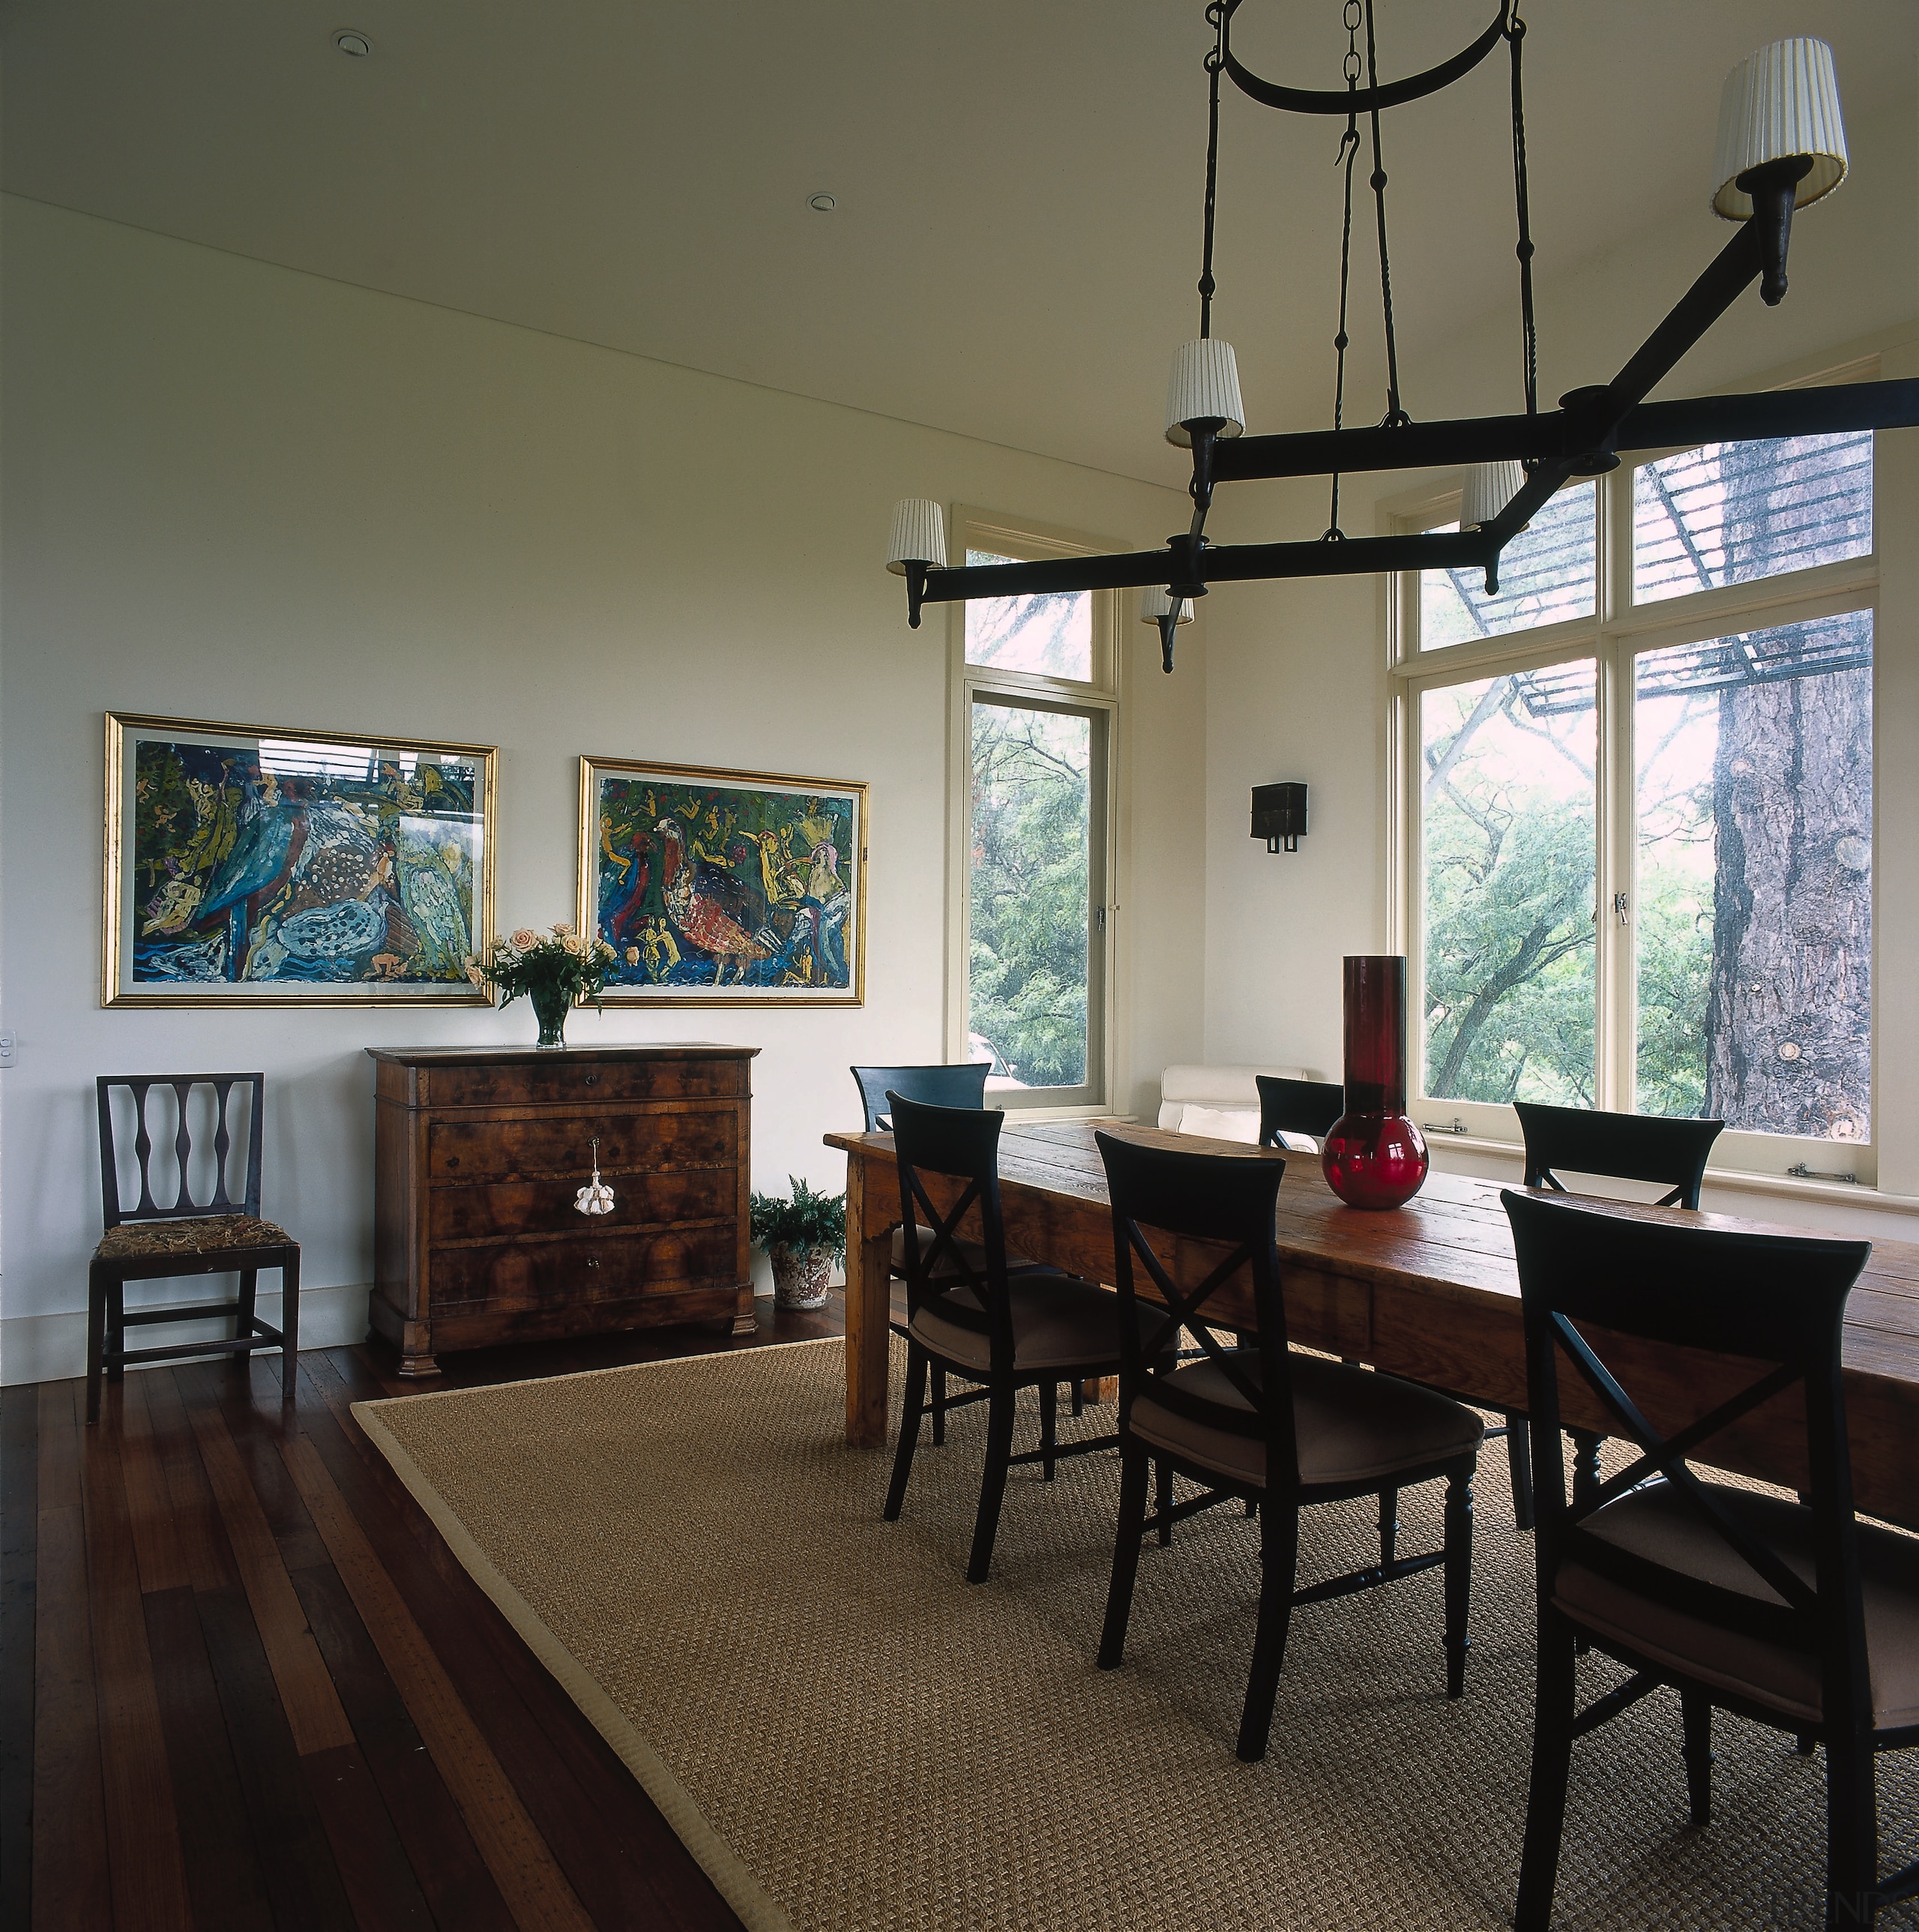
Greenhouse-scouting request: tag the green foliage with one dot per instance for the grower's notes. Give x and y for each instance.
(1029, 891)
(807, 1220)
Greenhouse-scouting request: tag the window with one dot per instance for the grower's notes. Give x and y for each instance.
(1637, 806)
(1035, 697)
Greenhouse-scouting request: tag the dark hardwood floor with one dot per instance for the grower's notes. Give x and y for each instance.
(244, 1684)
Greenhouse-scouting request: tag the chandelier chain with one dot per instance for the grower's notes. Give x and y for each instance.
(1349, 153)
(1515, 32)
(1216, 13)
(1395, 417)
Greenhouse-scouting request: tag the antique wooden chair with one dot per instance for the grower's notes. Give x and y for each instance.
(1260, 1422)
(1792, 1613)
(1297, 1107)
(970, 1314)
(148, 1242)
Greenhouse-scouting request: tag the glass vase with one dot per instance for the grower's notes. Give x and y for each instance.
(550, 1008)
(1376, 1157)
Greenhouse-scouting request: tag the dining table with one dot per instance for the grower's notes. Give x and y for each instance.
(1429, 1291)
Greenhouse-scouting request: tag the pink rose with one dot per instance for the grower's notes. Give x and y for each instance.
(525, 939)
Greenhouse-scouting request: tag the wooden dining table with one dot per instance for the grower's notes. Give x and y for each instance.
(1429, 1291)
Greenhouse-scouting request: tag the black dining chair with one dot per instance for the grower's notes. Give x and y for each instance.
(969, 1315)
(1645, 1148)
(1260, 1423)
(1794, 1614)
(1297, 1107)
(146, 1241)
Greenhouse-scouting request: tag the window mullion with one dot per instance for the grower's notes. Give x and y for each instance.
(1615, 1046)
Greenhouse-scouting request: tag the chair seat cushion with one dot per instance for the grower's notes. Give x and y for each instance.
(133, 1239)
(1658, 1524)
(1350, 1426)
(1058, 1323)
(947, 1270)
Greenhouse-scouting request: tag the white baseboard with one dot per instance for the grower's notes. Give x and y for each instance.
(52, 1348)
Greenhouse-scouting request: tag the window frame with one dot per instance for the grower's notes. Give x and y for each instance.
(1099, 699)
(1616, 633)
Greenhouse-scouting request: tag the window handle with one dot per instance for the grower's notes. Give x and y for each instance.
(1619, 908)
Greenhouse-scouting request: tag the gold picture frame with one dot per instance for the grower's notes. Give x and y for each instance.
(720, 888)
(263, 866)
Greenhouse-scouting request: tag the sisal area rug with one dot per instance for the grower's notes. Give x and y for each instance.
(851, 1740)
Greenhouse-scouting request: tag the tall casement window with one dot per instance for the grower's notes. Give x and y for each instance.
(1035, 700)
(1635, 805)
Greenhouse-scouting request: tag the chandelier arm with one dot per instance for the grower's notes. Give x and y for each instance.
(1515, 33)
(1372, 99)
(1395, 416)
(1216, 13)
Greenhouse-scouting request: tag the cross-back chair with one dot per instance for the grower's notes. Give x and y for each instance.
(146, 1241)
(970, 1315)
(1792, 1613)
(1311, 1107)
(1260, 1423)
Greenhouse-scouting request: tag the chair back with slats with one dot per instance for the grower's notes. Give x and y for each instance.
(1232, 1200)
(178, 1152)
(1622, 1147)
(1778, 1302)
(1297, 1107)
(961, 1143)
(962, 1086)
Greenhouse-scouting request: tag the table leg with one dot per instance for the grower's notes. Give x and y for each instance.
(869, 1226)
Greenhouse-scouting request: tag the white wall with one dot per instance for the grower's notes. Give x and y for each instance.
(233, 491)
(1297, 685)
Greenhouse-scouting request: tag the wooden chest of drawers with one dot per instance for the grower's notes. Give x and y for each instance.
(478, 1153)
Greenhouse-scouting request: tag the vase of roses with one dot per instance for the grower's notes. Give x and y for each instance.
(555, 970)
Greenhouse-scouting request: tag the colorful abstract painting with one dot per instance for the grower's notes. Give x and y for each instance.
(724, 888)
(293, 868)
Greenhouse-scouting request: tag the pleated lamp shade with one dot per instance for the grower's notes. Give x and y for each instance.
(1780, 102)
(1154, 604)
(920, 535)
(1490, 486)
(1205, 384)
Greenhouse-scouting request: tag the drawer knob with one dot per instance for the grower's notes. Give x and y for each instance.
(592, 1261)
(593, 1080)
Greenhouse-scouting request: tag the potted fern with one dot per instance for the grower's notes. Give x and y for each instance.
(803, 1235)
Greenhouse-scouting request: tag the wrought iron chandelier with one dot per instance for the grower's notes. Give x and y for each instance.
(1782, 145)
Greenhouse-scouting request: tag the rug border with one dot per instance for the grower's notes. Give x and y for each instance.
(757, 1908)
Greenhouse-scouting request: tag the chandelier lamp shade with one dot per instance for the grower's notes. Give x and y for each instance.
(1781, 146)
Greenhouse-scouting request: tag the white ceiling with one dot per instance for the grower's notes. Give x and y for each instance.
(1017, 236)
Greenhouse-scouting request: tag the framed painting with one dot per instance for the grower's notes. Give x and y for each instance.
(255, 867)
(718, 888)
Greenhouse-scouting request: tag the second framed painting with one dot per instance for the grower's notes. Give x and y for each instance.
(722, 888)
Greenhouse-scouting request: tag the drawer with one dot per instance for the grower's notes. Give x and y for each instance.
(583, 1270)
(504, 1207)
(583, 1082)
(558, 1148)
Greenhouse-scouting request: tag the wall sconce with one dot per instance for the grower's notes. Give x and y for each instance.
(1279, 815)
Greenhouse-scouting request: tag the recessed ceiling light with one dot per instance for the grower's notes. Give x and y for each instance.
(821, 204)
(354, 44)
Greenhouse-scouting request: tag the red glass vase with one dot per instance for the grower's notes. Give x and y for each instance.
(1376, 1157)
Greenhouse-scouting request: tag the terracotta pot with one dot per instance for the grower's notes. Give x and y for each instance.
(799, 1275)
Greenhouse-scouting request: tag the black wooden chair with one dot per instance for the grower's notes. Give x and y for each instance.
(1260, 1423)
(1297, 1107)
(146, 1242)
(968, 1315)
(1670, 1154)
(1794, 1614)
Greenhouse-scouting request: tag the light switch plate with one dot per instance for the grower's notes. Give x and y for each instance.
(6, 1049)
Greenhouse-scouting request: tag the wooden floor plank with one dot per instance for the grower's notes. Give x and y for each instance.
(20, 1542)
(146, 1870)
(223, 1876)
(163, 1563)
(373, 1864)
(69, 1885)
(196, 1525)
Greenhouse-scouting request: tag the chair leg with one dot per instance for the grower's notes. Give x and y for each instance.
(1852, 1833)
(939, 1406)
(290, 1327)
(1079, 1395)
(1552, 1761)
(1458, 1577)
(1162, 1501)
(1803, 1743)
(1585, 1481)
(916, 1405)
(1519, 1461)
(1049, 1423)
(1279, 1557)
(1389, 1526)
(1696, 1715)
(243, 1310)
(1135, 1475)
(116, 1330)
(992, 1481)
(96, 1339)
